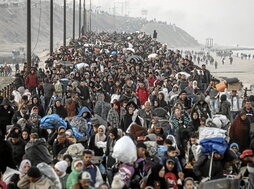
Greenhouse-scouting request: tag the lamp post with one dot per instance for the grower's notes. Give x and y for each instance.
(64, 25)
(51, 28)
(73, 34)
(28, 53)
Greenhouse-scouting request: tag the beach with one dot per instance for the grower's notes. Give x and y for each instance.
(241, 68)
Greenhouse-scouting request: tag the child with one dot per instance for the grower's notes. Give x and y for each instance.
(77, 167)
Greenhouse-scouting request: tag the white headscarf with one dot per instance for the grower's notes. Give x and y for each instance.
(22, 165)
(99, 138)
(62, 166)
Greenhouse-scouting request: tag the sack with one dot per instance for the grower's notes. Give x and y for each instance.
(125, 150)
(151, 147)
(49, 172)
(232, 80)
(211, 132)
(52, 121)
(221, 86)
(235, 86)
(221, 183)
(75, 150)
(211, 145)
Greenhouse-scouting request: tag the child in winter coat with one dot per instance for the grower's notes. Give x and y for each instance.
(77, 167)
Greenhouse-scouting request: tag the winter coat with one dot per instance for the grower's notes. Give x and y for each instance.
(31, 81)
(19, 81)
(114, 118)
(42, 183)
(142, 94)
(239, 133)
(6, 160)
(73, 177)
(59, 147)
(49, 89)
(18, 150)
(225, 109)
(61, 111)
(63, 181)
(71, 107)
(85, 95)
(202, 109)
(202, 166)
(37, 152)
(5, 116)
(58, 88)
(147, 117)
(17, 115)
(128, 119)
(102, 108)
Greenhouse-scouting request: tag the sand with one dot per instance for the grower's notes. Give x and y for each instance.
(242, 69)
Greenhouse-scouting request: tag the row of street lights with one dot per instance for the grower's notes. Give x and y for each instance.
(81, 31)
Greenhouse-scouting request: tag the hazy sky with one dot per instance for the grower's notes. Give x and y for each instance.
(228, 22)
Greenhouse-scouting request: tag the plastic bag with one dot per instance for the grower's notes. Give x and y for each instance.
(211, 132)
(49, 172)
(125, 150)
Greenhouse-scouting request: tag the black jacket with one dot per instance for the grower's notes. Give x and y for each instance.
(18, 151)
(201, 167)
(6, 160)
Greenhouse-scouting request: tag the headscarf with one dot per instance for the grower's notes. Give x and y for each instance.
(22, 165)
(118, 105)
(62, 167)
(99, 138)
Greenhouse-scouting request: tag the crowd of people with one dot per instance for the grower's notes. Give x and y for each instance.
(107, 88)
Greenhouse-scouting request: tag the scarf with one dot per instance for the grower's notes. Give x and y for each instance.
(99, 138)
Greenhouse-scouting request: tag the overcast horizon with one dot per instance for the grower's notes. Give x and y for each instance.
(228, 22)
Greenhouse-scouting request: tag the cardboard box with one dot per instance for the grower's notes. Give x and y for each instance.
(235, 86)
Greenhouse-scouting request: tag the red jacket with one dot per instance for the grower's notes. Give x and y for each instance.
(31, 81)
(151, 81)
(142, 94)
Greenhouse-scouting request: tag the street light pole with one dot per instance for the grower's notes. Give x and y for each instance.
(79, 26)
(90, 19)
(73, 35)
(51, 27)
(84, 18)
(64, 29)
(28, 53)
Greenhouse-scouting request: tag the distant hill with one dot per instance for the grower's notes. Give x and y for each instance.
(13, 27)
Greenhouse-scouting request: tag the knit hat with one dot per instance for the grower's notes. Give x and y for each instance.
(234, 145)
(77, 162)
(61, 166)
(34, 172)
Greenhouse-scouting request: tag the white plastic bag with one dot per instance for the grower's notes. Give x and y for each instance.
(211, 132)
(125, 150)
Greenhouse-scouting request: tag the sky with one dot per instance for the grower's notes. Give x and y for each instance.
(228, 22)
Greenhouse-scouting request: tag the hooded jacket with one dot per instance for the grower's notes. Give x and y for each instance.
(73, 177)
(31, 80)
(42, 183)
(36, 151)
